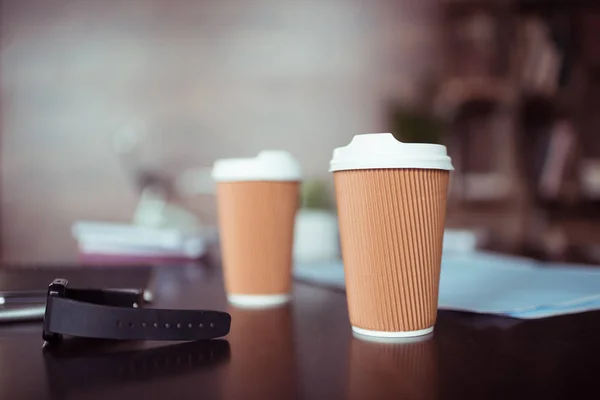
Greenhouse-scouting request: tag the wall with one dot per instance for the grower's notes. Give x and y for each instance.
(211, 78)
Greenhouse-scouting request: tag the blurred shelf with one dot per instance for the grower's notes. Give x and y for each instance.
(520, 6)
(539, 110)
(458, 91)
(482, 187)
(554, 6)
(459, 10)
(475, 4)
(583, 211)
(590, 178)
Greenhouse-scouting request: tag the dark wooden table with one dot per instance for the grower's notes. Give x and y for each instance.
(307, 351)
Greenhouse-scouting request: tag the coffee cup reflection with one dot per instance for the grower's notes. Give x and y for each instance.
(263, 358)
(398, 369)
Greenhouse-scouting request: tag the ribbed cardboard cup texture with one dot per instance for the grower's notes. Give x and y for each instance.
(391, 227)
(257, 201)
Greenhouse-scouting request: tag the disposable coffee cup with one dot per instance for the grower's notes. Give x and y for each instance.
(391, 198)
(257, 200)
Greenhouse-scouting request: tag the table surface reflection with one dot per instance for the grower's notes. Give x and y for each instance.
(306, 351)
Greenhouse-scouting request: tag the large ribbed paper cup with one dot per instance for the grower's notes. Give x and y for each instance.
(391, 199)
(257, 200)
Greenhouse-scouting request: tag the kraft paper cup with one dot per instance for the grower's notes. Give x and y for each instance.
(257, 200)
(391, 199)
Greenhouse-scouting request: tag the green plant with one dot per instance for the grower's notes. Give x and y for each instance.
(315, 195)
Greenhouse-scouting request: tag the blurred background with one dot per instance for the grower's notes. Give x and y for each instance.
(106, 102)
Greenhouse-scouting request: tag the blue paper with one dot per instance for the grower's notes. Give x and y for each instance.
(497, 284)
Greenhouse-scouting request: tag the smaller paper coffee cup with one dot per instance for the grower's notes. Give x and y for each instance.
(391, 199)
(257, 200)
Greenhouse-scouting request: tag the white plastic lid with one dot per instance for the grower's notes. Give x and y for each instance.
(269, 165)
(382, 150)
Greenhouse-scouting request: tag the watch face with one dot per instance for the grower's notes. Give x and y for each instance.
(57, 287)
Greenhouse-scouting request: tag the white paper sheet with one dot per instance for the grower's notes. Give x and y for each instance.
(497, 284)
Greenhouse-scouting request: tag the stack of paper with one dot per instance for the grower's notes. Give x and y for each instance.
(122, 240)
(497, 284)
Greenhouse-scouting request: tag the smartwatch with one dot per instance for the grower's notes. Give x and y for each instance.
(115, 314)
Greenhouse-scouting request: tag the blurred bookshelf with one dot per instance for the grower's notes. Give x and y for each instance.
(520, 88)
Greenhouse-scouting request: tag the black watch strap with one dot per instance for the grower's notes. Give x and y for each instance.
(94, 319)
(112, 297)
